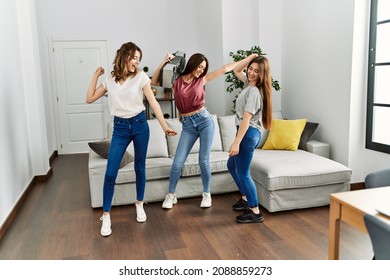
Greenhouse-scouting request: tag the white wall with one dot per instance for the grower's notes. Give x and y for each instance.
(324, 65)
(358, 102)
(23, 145)
(244, 25)
(270, 38)
(317, 59)
(210, 43)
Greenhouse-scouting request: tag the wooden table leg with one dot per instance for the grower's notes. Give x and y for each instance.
(334, 230)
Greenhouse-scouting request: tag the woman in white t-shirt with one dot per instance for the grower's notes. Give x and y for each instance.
(126, 88)
(253, 110)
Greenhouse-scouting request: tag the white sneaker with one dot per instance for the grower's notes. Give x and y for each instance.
(169, 200)
(206, 200)
(106, 225)
(141, 215)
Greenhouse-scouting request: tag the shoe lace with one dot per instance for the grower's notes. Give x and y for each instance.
(103, 218)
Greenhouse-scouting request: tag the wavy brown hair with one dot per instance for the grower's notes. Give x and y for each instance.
(126, 52)
(194, 62)
(264, 84)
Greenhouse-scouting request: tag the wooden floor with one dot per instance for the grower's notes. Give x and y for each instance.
(57, 222)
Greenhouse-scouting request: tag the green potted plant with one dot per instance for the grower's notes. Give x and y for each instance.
(235, 84)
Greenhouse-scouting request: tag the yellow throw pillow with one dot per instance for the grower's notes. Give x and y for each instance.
(284, 134)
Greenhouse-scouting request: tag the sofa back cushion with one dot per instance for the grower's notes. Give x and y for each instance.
(157, 142)
(265, 132)
(228, 130)
(285, 134)
(173, 141)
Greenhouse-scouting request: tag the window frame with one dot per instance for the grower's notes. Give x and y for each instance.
(372, 65)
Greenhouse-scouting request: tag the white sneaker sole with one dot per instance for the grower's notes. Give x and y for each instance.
(169, 206)
(141, 220)
(105, 234)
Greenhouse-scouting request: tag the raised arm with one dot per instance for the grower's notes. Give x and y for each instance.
(156, 74)
(242, 64)
(94, 93)
(228, 67)
(219, 72)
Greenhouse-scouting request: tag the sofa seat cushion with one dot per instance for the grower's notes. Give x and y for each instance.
(156, 169)
(218, 163)
(279, 169)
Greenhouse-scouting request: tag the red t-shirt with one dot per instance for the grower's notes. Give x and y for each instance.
(189, 97)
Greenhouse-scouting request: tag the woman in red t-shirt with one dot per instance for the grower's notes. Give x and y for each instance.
(189, 95)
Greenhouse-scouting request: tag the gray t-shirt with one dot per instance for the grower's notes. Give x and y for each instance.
(249, 100)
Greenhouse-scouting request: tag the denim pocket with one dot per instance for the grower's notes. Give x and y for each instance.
(141, 120)
(252, 137)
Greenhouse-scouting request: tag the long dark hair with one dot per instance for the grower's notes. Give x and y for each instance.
(194, 62)
(120, 70)
(264, 84)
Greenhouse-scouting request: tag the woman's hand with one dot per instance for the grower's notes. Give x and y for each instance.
(156, 74)
(234, 149)
(169, 131)
(99, 71)
(168, 57)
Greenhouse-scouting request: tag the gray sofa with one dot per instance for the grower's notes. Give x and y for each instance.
(285, 179)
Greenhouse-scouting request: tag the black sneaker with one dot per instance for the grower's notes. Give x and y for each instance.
(249, 217)
(241, 205)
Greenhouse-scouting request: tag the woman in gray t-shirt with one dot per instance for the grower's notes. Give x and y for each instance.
(253, 110)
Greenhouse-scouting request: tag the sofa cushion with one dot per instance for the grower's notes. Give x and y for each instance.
(218, 163)
(173, 141)
(228, 130)
(158, 140)
(217, 143)
(308, 131)
(102, 148)
(265, 132)
(284, 134)
(278, 169)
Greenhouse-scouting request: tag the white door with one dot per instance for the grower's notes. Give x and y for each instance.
(77, 122)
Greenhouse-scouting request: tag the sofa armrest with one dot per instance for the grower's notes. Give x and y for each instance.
(318, 148)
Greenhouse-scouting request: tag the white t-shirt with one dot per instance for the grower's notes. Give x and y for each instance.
(127, 100)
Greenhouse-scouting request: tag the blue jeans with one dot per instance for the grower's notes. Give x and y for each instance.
(239, 166)
(199, 125)
(134, 129)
